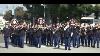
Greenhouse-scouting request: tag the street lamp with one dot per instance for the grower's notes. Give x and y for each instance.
(93, 6)
(44, 8)
(30, 5)
(31, 13)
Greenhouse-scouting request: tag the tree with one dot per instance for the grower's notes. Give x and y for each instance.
(36, 10)
(96, 11)
(63, 13)
(77, 10)
(53, 11)
(19, 13)
(8, 15)
(60, 10)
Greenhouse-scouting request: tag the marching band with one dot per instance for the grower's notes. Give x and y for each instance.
(69, 34)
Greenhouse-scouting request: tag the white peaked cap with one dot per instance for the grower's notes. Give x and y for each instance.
(66, 27)
(92, 25)
(72, 24)
(40, 18)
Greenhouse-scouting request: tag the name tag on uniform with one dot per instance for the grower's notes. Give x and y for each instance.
(53, 32)
(71, 34)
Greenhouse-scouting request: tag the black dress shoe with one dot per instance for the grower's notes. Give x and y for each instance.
(93, 47)
(39, 46)
(51, 45)
(6, 47)
(97, 47)
(83, 45)
(69, 49)
(58, 47)
(21, 47)
(77, 47)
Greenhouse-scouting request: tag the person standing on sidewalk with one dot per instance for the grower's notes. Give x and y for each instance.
(6, 32)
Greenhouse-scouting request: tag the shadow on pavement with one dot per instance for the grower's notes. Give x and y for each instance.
(48, 46)
(30, 45)
(59, 48)
(2, 47)
(12, 45)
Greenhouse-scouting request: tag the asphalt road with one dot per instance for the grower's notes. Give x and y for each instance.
(45, 49)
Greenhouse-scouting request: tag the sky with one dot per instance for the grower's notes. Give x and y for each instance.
(5, 7)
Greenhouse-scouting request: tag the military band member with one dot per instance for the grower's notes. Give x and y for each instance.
(30, 35)
(94, 36)
(82, 35)
(38, 38)
(77, 40)
(89, 34)
(67, 37)
(57, 38)
(44, 36)
(97, 37)
(62, 35)
(13, 35)
(73, 35)
(7, 33)
(48, 36)
(21, 36)
(86, 37)
(34, 37)
(51, 37)
(16, 38)
(27, 34)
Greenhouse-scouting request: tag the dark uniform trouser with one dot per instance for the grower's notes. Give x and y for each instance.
(12, 39)
(74, 41)
(82, 40)
(78, 40)
(95, 39)
(89, 41)
(16, 40)
(56, 41)
(6, 40)
(85, 41)
(27, 38)
(33, 40)
(21, 41)
(30, 39)
(48, 40)
(51, 41)
(62, 40)
(43, 40)
(38, 42)
(67, 43)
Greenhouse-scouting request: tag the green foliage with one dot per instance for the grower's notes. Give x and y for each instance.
(8, 15)
(56, 10)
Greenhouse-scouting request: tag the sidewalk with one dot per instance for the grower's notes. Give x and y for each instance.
(45, 49)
